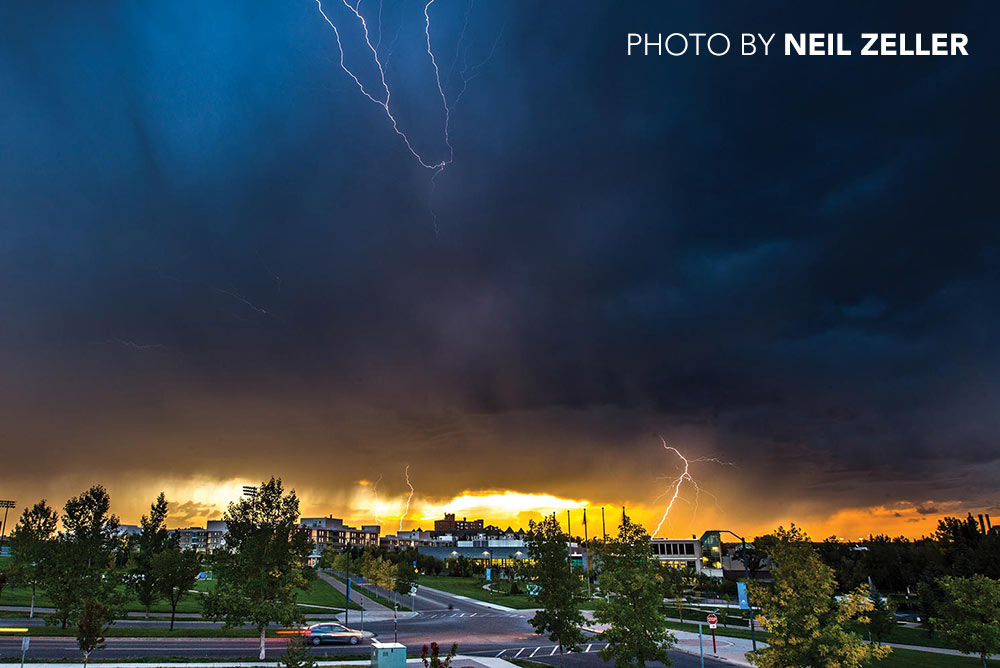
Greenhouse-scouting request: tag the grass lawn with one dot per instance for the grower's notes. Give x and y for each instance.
(906, 635)
(368, 592)
(473, 588)
(322, 592)
(319, 593)
(908, 658)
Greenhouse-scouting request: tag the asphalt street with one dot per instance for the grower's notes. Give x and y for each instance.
(442, 618)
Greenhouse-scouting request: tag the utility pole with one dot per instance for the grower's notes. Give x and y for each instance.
(6, 505)
(604, 530)
(347, 607)
(746, 569)
(586, 553)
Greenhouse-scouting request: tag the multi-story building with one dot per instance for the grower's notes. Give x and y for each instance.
(450, 525)
(331, 532)
(212, 537)
(679, 553)
(217, 531)
(192, 538)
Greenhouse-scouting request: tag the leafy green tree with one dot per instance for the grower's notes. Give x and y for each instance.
(881, 617)
(674, 586)
(297, 654)
(808, 627)
(95, 618)
(631, 578)
(404, 578)
(558, 585)
(175, 572)
(929, 598)
(969, 615)
(265, 564)
(752, 557)
(151, 541)
(959, 541)
(80, 563)
(29, 542)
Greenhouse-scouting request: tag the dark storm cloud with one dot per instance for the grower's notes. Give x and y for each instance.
(212, 245)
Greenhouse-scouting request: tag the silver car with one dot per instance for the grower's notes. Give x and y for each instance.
(330, 632)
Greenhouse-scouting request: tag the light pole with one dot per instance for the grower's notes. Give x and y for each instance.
(489, 572)
(6, 505)
(746, 569)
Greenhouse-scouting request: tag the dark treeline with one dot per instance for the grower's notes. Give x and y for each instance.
(957, 548)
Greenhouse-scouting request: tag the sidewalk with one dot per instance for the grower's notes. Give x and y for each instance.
(356, 595)
(730, 650)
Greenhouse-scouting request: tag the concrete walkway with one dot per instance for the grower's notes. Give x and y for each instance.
(730, 650)
(356, 595)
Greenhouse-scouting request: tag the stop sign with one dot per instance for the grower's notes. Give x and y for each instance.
(712, 620)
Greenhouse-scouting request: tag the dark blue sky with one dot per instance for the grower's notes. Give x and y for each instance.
(215, 252)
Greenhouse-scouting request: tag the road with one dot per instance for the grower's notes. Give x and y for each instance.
(442, 618)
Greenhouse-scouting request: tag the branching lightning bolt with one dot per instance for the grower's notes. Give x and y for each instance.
(383, 96)
(406, 473)
(675, 487)
(384, 103)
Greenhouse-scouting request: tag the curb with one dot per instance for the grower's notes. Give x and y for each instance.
(494, 606)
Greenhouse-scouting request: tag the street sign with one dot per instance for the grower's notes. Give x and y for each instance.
(489, 574)
(533, 589)
(413, 590)
(713, 621)
(741, 592)
(25, 641)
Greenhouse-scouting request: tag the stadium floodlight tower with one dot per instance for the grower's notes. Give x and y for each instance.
(6, 504)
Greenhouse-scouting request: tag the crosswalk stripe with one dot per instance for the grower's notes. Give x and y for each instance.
(588, 647)
(519, 652)
(553, 650)
(533, 653)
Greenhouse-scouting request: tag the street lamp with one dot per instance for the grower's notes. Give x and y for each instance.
(6, 505)
(746, 568)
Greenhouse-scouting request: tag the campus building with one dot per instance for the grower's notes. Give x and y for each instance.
(212, 537)
(331, 532)
(679, 553)
(450, 525)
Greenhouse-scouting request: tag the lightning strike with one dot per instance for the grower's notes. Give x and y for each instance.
(406, 473)
(240, 298)
(136, 346)
(381, 93)
(674, 489)
(383, 100)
